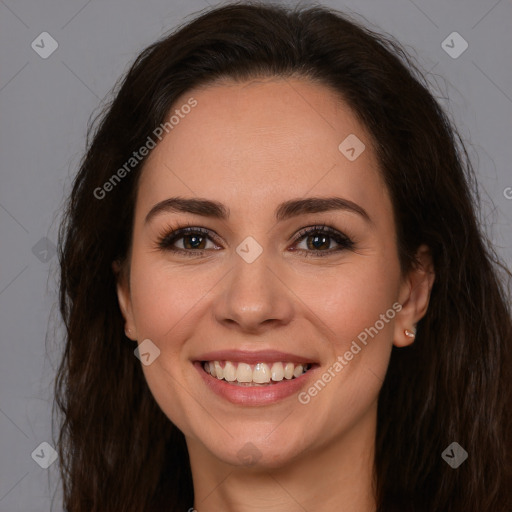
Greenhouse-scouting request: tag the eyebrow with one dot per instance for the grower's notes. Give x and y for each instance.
(284, 211)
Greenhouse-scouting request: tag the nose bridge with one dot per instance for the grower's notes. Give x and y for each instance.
(253, 294)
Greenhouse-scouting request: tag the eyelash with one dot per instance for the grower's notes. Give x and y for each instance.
(171, 234)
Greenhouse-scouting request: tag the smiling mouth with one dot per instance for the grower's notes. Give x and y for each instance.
(259, 374)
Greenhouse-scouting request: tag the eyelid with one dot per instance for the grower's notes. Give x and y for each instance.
(323, 228)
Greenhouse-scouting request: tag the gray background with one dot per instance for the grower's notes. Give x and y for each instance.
(45, 106)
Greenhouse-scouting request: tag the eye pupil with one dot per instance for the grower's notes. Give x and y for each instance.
(319, 241)
(196, 241)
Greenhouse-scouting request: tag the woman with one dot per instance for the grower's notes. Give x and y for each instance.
(276, 292)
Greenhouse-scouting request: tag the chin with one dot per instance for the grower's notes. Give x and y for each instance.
(244, 453)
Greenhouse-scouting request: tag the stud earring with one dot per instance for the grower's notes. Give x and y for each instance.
(410, 334)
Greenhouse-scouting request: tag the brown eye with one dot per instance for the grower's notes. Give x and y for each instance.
(192, 240)
(319, 238)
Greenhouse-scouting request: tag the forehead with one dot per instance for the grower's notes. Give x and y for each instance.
(246, 143)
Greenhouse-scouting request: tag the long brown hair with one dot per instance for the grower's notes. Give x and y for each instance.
(118, 451)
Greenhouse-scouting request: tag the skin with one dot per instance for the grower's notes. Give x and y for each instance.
(252, 146)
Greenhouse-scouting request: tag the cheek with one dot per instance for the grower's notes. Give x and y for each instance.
(352, 297)
(163, 304)
(355, 303)
(163, 297)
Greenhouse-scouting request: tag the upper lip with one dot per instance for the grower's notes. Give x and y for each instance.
(253, 357)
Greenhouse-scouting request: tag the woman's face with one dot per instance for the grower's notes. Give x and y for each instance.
(250, 290)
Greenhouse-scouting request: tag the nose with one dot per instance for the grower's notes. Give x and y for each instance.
(254, 297)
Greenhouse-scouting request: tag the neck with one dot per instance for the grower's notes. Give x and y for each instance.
(334, 477)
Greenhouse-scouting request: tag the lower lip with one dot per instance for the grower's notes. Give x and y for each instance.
(254, 395)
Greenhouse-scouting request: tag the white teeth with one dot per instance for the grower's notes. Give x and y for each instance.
(218, 370)
(288, 370)
(299, 370)
(244, 373)
(229, 372)
(261, 373)
(277, 372)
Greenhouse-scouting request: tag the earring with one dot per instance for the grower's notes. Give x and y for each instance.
(410, 334)
(128, 331)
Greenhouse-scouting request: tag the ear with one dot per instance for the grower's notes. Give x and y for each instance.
(414, 296)
(124, 299)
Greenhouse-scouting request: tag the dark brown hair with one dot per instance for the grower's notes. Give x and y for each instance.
(118, 451)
